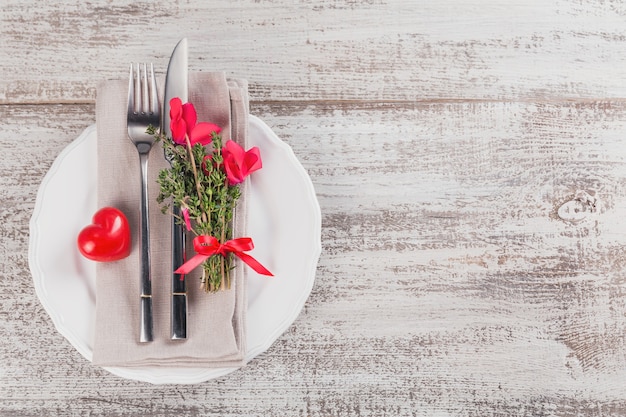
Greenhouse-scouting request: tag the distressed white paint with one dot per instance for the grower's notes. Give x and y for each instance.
(328, 50)
(470, 164)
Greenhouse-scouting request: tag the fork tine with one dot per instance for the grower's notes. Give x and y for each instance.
(131, 91)
(143, 96)
(154, 98)
(137, 108)
(145, 103)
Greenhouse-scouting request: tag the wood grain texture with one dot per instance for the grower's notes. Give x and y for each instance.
(323, 50)
(470, 165)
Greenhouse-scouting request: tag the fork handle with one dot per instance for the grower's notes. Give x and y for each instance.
(146, 327)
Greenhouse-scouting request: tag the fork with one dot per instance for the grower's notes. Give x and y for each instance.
(143, 111)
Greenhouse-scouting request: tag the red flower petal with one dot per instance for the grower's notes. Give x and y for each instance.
(186, 217)
(179, 130)
(190, 117)
(176, 108)
(252, 160)
(202, 133)
(177, 124)
(236, 150)
(233, 172)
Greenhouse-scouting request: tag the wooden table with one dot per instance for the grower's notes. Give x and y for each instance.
(470, 163)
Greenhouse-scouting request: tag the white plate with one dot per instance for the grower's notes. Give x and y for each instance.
(285, 222)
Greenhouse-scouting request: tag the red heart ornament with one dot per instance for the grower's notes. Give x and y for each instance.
(107, 238)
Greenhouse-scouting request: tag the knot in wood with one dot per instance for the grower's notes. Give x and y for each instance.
(579, 208)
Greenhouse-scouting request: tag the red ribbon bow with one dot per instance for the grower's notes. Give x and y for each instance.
(207, 246)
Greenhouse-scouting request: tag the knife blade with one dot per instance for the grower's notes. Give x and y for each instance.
(177, 85)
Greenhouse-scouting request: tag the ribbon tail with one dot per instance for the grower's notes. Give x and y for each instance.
(191, 264)
(253, 263)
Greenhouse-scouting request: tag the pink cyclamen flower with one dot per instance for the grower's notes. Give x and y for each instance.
(185, 212)
(184, 122)
(238, 163)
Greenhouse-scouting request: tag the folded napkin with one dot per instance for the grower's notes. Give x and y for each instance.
(216, 322)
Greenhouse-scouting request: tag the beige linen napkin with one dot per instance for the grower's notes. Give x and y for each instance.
(216, 322)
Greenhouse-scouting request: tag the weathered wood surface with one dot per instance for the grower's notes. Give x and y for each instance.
(324, 50)
(470, 165)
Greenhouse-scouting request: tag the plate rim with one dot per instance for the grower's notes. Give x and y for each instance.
(35, 268)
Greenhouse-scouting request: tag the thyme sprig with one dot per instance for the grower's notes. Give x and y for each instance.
(195, 183)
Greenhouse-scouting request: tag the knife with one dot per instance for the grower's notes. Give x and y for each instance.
(177, 85)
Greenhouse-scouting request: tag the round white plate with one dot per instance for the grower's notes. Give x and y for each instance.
(285, 222)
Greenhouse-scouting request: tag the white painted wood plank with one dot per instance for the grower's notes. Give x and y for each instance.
(324, 50)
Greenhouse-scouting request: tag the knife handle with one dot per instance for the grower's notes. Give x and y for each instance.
(179, 316)
(178, 313)
(146, 334)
